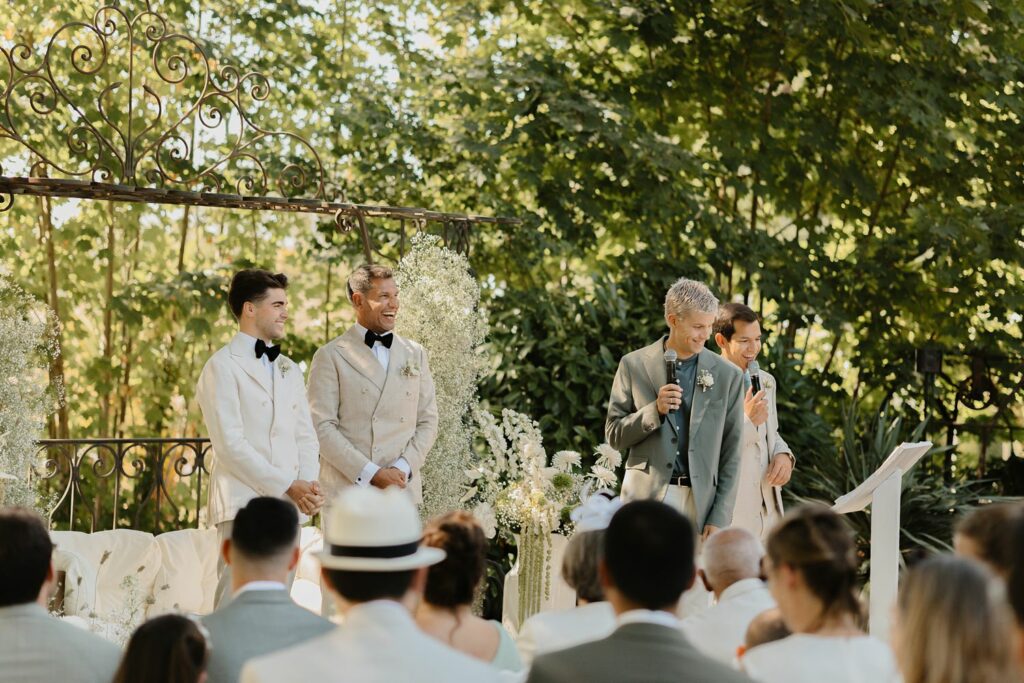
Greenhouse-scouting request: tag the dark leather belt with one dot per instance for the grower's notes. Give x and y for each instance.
(679, 480)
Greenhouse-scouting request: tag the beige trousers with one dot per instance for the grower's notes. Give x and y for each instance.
(697, 599)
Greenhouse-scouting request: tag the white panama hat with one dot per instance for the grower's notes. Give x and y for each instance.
(370, 530)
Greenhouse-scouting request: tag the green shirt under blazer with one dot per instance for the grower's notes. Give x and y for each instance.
(716, 431)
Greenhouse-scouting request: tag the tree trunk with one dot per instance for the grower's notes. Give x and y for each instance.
(56, 366)
(107, 398)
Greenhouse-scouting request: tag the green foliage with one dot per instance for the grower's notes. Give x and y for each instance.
(928, 508)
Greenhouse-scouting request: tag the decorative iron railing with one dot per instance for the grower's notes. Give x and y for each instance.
(149, 484)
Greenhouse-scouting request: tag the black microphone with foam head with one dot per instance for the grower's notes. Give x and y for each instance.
(755, 377)
(670, 370)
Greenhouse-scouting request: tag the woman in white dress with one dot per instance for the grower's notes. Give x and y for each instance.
(954, 625)
(811, 564)
(593, 617)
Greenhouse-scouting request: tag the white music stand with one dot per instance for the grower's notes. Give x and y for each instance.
(882, 491)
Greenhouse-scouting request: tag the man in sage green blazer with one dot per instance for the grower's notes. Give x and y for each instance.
(261, 617)
(683, 439)
(35, 646)
(643, 578)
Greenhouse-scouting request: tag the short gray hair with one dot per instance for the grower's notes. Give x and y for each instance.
(362, 278)
(687, 296)
(731, 555)
(579, 564)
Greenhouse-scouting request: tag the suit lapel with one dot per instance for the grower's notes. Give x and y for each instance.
(245, 355)
(700, 400)
(399, 358)
(654, 363)
(361, 358)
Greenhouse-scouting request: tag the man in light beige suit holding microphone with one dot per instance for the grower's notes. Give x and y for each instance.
(372, 397)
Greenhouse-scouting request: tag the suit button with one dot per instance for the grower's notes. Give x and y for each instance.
(402, 420)
(408, 393)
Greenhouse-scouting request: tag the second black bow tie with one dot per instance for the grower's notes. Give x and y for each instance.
(272, 351)
(370, 337)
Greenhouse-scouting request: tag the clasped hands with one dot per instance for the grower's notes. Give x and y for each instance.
(307, 495)
(388, 476)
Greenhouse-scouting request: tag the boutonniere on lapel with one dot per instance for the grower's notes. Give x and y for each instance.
(705, 380)
(411, 370)
(285, 365)
(768, 384)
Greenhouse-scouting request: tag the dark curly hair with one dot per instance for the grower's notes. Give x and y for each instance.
(453, 581)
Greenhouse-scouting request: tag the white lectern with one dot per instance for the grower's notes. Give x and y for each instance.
(882, 491)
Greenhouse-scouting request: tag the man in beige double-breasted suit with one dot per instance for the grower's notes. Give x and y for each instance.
(371, 395)
(767, 461)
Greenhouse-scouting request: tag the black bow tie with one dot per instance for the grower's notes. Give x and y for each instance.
(384, 339)
(272, 351)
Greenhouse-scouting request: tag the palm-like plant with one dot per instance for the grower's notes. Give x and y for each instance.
(928, 507)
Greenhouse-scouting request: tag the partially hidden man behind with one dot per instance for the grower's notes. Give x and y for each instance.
(372, 396)
(254, 405)
(683, 440)
(767, 461)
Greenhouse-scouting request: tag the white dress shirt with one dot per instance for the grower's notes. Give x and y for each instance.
(383, 354)
(262, 586)
(719, 631)
(262, 359)
(648, 616)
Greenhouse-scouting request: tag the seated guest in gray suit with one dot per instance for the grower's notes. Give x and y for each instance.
(261, 617)
(647, 564)
(35, 646)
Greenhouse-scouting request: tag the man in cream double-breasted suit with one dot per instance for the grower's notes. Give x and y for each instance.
(766, 462)
(372, 396)
(256, 415)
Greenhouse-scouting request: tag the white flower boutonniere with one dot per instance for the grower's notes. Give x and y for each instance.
(768, 384)
(705, 380)
(411, 370)
(285, 365)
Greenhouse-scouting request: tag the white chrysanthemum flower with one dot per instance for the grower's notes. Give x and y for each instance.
(566, 460)
(605, 477)
(608, 456)
(488, 521)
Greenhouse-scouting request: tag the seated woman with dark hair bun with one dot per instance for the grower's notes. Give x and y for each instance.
(168, 649)
(445, 612)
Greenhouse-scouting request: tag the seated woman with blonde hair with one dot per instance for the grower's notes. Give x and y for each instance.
(446, 610)
(811, 564)
(953, 625)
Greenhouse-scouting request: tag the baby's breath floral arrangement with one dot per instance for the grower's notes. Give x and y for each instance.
(519, 489)
(29, 333)
(440, 310)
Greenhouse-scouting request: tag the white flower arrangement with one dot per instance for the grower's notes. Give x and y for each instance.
(705, 380)
(410, 369)
(440, 310)
(29, 331)
(285, 365)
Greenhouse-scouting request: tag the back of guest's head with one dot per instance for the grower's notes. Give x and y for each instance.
(731, 555)
(953, 624)
(453, 581)
(766, 627)
(252, 284)
(359, 586)
(25, 552)
(167, 649)
(982, 535)
(648, 554)
(1015, 582)
(265, 530)
(815, 541)
(580, 564)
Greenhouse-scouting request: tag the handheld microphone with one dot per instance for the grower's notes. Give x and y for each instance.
(755, 377)
(670, 370)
